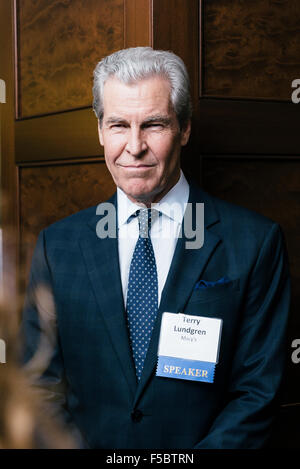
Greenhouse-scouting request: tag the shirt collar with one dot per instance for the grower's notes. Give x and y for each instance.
(172, 204)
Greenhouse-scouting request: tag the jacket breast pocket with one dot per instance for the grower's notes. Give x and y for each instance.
(221, 301)
(213, 293)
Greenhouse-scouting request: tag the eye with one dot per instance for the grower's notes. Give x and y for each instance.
(117, 126)
(154, 125)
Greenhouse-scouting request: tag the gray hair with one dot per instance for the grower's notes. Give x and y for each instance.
(138, 63)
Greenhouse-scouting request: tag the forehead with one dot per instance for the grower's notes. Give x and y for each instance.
(144, 96)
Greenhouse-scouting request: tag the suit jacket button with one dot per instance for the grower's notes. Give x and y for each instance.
(137, 415)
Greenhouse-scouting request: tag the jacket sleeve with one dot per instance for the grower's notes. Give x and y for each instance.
(260, 355)
(41, 353)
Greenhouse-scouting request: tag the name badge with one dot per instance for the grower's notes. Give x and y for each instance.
(188, 347)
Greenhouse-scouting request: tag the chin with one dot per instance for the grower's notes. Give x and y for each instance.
(139, 192)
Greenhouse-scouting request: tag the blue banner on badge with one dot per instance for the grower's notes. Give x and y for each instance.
(188, 347)
(193, 370)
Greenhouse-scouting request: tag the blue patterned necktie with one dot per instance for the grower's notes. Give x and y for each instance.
(142, 294)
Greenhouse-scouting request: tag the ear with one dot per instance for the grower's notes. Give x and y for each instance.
(100, 134)
(185, 133)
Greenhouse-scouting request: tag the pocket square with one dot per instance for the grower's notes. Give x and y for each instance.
(201, 284)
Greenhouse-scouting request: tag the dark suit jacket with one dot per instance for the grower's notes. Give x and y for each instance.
(91, 379)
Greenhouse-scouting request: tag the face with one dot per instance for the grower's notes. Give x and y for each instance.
(141, 138)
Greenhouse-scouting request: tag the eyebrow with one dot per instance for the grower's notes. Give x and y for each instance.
(115, 120)
(157, 118)
(149, 120)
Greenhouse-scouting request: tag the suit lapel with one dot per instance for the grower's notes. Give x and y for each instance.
(102, 263)
(186, 268)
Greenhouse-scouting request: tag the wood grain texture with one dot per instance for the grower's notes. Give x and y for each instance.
(138, 23)
(60, 43)
(251, 48)
(65, 135)
(273, 189)
(49, 193)
(176, 28)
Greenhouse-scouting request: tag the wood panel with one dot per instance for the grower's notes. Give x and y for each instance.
(58, 136)
(60, 43)
(270, 187)
(138, 23)
(176, 28)
(68, 135)
(251, 49)
(248, 127)
(51, 192)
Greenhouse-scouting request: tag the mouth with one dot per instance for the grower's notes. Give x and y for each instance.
(139, 167)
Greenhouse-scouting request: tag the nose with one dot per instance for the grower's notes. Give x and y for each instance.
(136, 143)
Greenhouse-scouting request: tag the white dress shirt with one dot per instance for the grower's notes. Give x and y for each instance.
(164, 231)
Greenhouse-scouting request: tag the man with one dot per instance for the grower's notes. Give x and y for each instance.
(112, 294)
